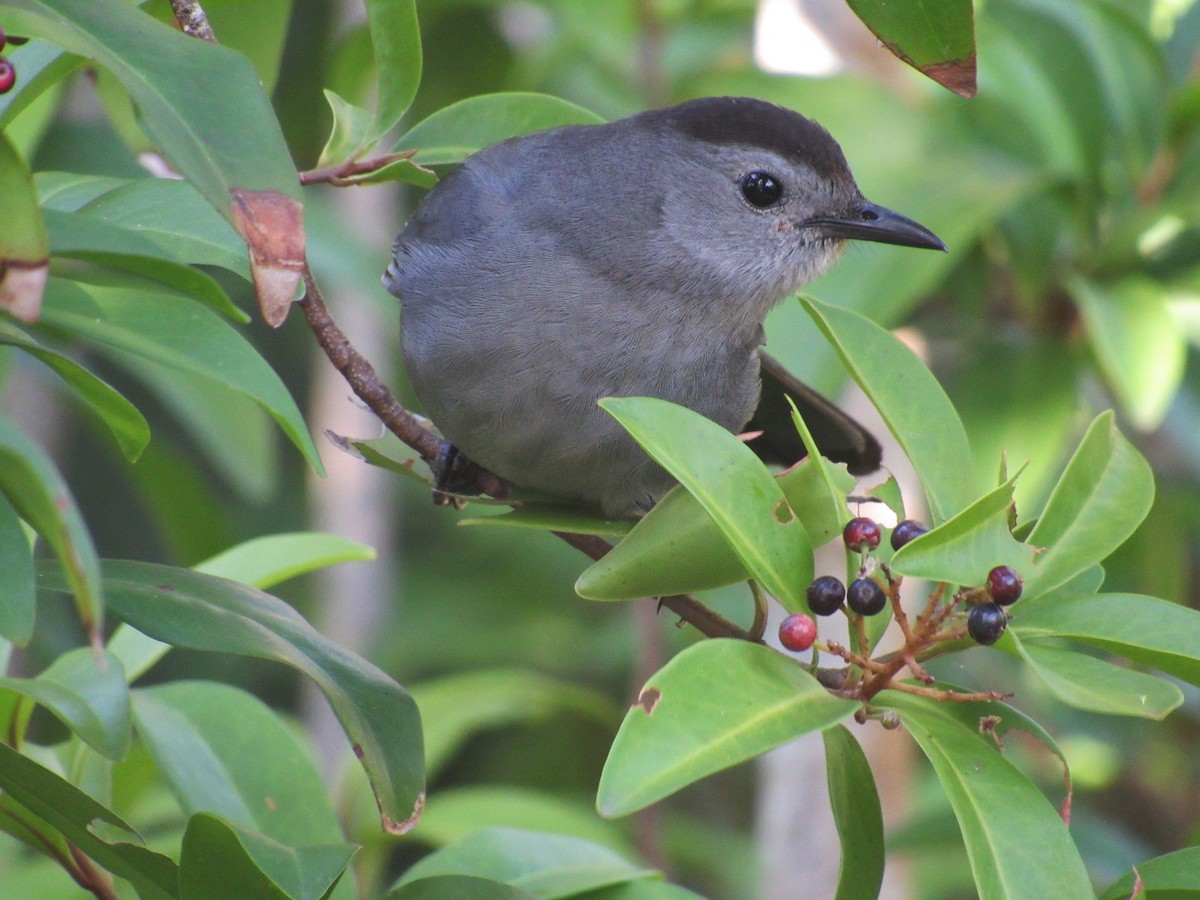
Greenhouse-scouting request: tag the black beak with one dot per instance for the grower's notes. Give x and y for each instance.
(869, 222)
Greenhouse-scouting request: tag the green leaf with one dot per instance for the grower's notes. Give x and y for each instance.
(40, 496)
(188, 609)
(87, 694)
(1137, 343)
(72, 812)
(41, 66)
(127, 425)
(912, 403)
(266, 561)
(452, 134)
(1017, 843)
(351, 132)
(818, 488)
(1102, 496)
(219, 860)
(18, 599)
(396, 39)
(134, 317)
(24, 246)
(965, 548)
(207, 739)
(456, 707)
(1147, 630)
(936, 37)
(1085, 682)
(546, 865)
(716, 704)
(461, 887)
(857, 814)
(81, 236)
(1162, 877)
(555, 517)
(732, 485)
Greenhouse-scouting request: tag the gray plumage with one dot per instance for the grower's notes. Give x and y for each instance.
(623, 259)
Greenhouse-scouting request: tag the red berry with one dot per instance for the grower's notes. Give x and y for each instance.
(797, 632)
(906, 532)
(986, 622)
(1004, 585)
(8, 75)
(865, 597)
(825, 595)
(861, 534)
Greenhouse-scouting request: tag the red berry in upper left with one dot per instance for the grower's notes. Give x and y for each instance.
(8, 75)
(1004, 585)
(861, 534)
(797, 632)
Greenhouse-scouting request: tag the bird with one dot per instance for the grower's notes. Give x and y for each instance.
(637, 257)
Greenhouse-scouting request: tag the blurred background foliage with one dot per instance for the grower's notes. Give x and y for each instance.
(1068, 192)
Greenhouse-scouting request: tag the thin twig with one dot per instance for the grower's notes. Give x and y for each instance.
(340, 174)
(192, 20)
(90, 878)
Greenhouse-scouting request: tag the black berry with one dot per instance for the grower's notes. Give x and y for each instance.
(986, 622)
(1004, 585)
(865, 597)
(906, 532)
(825, 595)
(797, 632)
(8, 75)
(861, 534)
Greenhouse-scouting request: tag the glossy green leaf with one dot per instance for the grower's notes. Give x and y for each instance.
(18, 600)
(546, 865)
(268, 560)
(461, 887)
(40, 496)
(821, 501)
(24, 246)
(350, 134)
(733, 487)
(677, 549)
(643, 890)
(1147, 630)
(1137, 344)
(207, 739)
(965, 548)
(219, 860)
(72, 812)
(452, 134)
(246, 173)
(42, 66)
(555, 517)
(87, 694)
(188, 609)
(81, 236)
(1102, 496)
(1016, 841)
(716, 704)
(123, 419)
(856, 813)
(396, 39)
(912, 403)
(936, 37)
(133, 317)
(257, 30)
(1175, 875)
(1085, 682)
(453, 813)
(456, 707)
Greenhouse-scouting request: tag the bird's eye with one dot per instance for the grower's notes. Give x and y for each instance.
(761, 189)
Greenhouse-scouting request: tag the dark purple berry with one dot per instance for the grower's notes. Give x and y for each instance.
(906, 532)
(825, 595)
(1004, 585)
(8, 75)
(797, 632)
(861, 534)
(865, 597)
(986, 622)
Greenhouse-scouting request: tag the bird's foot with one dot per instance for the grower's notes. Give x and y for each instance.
(453, 475)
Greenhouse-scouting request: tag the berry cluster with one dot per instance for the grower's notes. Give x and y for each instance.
(8, 72)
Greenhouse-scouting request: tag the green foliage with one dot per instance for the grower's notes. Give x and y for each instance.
(1066, 191)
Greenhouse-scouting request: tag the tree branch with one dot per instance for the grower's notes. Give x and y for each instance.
(192, 20)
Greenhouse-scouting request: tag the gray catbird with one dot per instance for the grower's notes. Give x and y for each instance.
(636, 258)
